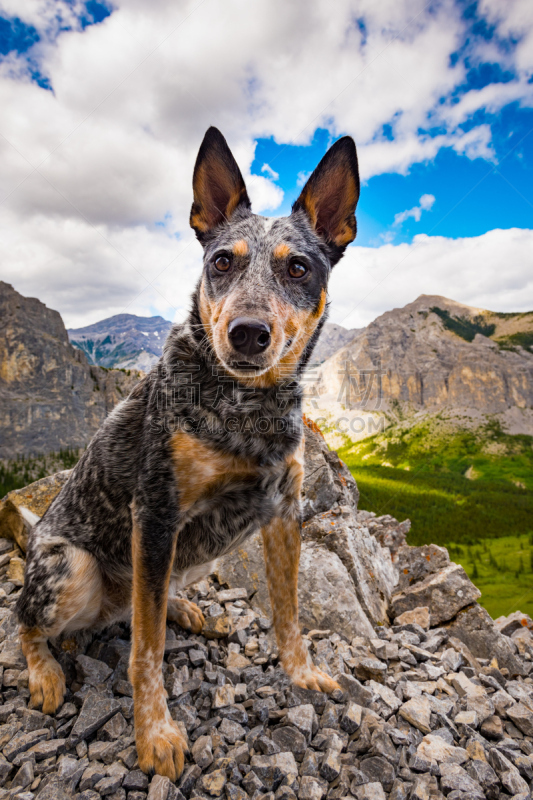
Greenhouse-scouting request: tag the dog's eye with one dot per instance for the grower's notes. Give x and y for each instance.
(222, 263)
(297, 270)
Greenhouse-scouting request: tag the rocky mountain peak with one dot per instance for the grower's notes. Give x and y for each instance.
(50, 397)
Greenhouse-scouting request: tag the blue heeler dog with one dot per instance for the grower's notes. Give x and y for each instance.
(207, 449)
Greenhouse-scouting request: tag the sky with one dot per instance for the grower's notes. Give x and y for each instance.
(104, 105)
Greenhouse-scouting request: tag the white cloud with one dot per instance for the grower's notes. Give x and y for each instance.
(96, 175)
(490, 271)
(269, 172)
(424, 204)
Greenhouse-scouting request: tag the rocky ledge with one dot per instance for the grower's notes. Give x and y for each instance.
(435, 701)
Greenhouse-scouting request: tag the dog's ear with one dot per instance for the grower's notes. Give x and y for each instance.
(218, 185)
(330, 195)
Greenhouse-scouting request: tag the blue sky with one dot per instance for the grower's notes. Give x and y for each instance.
(107, 103)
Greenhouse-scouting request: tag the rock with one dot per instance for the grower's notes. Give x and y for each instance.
(419, 616)
(522, 717)
(216, 627)
(417, 712)
(95, 712)
(434, 748)
(304, 719)
(15, 572)
(351, 717)
(312, 788)
(331, 765)
(327, 481)
(275, 768)
(455, 778)
(378, 769)
(444, 593)
(477, 698)
(92, 671)
(224, 696)
(159, 788)
(290, 740)
(513, 622)
(213, 782)
(475, 628)
(354, 689)
(370, 791)
(368, 564)
(415, 564)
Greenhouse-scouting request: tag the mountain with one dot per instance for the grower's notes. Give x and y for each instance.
(50, 397)
(123, 341)
(433, 355)
(331, 339)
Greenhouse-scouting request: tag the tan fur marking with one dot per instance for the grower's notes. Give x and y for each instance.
(201, 469)
(282, 250)
(81, 599)
(281, 544)
(46, 680)
(160, 745)
(240, 248)
(185, 613)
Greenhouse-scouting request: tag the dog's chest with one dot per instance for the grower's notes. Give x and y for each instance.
(222, 498)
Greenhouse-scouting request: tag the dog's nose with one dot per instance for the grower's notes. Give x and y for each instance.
(249, 336)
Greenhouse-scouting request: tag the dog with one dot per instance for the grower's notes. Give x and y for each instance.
(207, 449)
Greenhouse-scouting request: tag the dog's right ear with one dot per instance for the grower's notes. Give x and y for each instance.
(218, 185)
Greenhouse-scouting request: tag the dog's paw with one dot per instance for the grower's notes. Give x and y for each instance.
(161, 749)
(186, 614)
(47, 686)
(310, 677)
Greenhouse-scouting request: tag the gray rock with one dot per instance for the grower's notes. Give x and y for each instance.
(312, 788)
(454, 777)
(522, 717)
(444, 593)
(476, 629)
(417, 712)
(95, 712)
(416, 563)
(304, 719)
(331, 765)
(92, 671)
(327, 481)
(290, 740)
(370, 791)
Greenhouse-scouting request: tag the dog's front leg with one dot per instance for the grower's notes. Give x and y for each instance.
(281, 543)
(160, 745)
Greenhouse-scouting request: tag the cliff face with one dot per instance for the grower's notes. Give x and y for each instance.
(432, 354)
(50, 397)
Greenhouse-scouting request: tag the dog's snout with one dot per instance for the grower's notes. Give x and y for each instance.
(249, 336)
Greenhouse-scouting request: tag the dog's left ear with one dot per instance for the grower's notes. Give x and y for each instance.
(218, 185)
(330, 196)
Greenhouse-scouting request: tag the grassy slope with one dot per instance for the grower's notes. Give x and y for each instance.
(420, 472)
(502, 569)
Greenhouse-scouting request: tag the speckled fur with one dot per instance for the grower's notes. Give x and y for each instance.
(200, 455)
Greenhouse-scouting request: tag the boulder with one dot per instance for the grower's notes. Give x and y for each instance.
(444, 593)
(369, 565)
(326, 594)
(21, 508)
(416, 563)
(328, 481)
(475, 627)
